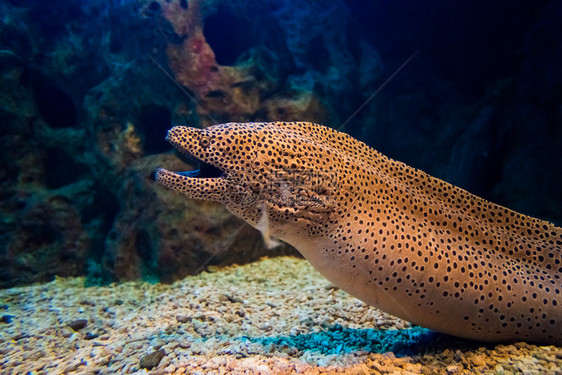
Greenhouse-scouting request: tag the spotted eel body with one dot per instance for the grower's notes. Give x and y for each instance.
(391, 235)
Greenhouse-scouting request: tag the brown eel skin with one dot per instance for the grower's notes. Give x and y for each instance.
(391, 235)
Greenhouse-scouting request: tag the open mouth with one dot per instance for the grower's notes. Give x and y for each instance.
(206, 182)
(203, 170)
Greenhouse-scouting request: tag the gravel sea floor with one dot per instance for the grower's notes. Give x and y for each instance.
(275, 316)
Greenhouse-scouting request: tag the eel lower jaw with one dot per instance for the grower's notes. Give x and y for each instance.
(192, 185)
(203, 171)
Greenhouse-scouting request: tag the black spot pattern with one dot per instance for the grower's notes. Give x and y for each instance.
(391, 235)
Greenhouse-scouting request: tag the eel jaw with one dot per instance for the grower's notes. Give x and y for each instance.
(188, 183)
(207, 182)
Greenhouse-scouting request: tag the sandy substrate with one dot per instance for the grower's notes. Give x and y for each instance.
(274, 316)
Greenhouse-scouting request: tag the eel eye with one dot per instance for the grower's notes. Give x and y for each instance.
(204, 142)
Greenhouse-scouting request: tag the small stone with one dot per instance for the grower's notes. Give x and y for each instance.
(78, 324)
(308, 321)
(182, 318)
(521, 345)
(90, 336)
(152, 360)
(233, 299)
(72, 367)
(6, 319)
(184, 344)
(478, 361)
(451, 369)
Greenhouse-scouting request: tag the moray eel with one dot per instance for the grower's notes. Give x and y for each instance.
(396, 238)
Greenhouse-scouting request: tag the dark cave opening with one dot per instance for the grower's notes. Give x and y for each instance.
(143, 246)
(153, 8)
(318, 54)
(55, 106)
(229, 35)
(116, 43)
(61, 169)
(153, 124)
(146, 253)
(101, 212)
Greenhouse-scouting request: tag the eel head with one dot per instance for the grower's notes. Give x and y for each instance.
(257, 169)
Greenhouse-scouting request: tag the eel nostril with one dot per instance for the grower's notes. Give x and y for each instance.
(204, 142)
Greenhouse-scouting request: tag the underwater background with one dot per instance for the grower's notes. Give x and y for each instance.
(470, 92)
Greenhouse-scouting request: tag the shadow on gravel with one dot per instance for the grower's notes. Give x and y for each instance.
(339, 340)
